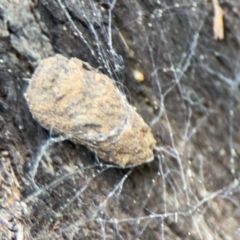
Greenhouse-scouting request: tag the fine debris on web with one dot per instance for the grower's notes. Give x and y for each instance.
(67, 96)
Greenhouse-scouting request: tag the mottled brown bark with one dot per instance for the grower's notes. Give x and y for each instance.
(189, 96)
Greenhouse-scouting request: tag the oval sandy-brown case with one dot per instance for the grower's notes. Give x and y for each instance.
(86, 106)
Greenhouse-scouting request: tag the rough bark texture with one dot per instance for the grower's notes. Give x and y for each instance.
(190, 97)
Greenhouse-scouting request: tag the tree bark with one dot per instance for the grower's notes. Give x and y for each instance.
(53, 189)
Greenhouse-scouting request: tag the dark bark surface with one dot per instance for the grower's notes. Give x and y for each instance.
(189, 96)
